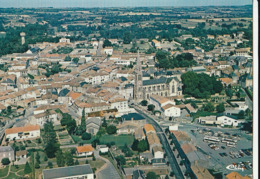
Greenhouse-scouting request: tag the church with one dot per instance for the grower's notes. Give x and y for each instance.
(162, 86)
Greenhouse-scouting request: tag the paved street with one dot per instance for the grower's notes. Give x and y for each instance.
(108, 170)
(171, 158)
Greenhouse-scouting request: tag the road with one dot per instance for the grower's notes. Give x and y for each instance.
(106, 171)
(249, 102)
(171, 158)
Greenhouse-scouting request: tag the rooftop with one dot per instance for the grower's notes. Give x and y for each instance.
(22, 129)
(67, 171)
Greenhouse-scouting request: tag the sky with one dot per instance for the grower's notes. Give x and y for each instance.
(117, 3)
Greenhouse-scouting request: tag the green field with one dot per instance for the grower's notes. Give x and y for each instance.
(119, 140)
(4, 171)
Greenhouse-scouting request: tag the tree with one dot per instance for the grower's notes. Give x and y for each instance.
(127, 38)
(67, 58)
(166, 177)
(144, 103)
(76, 162)
(200, 85)
(220, 108)
(107, 43)
(93, 158)
(82, 127)
(150, 107)
(135, 145)
(37, 165)
(86, 162)
(142, 146)
(127, 151)
(27, 168)
(121, 160)
(50, 165)
(111, 129)
(209, 107)
(69, 158)
(5, 161)
(86, 136)
(50, 140)
(37, 157)
(60, 159)
(229, 93)
(151, 175)
(75, 60)
(104, 123)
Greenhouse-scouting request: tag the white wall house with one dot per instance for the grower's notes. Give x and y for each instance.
(158, 152)
(26, 132)
(108, 50)
(102, 148)
(171, 110)
(229, 120)
(120, 104)
(166, 106)
(86, 150)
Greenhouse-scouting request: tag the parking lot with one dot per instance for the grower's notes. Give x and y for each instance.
(219, 153)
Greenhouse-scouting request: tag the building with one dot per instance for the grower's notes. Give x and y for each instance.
(158, 152)
(201, 172)
(235, 175)
(103, 148)
(138, 86)
(64, 40)
(148, 128)
(26, 132)
(228, 120)
(86, 150)
(166, 106)
(7, 152)
(92, 125)
(72, 172)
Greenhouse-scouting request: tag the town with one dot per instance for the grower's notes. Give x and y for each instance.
(110, 93)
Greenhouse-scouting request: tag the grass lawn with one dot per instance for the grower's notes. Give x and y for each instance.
(119, 140)
(4, 171)
(17, 168)
(11, 176)
(77, 139)
(97, 163)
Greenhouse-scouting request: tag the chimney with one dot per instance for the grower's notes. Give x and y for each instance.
(132, 119)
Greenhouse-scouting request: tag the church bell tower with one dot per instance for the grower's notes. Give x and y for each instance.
(138, 87)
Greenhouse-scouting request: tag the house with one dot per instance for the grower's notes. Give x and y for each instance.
(235, 175)
(156, 43)
(228, 120)
(171, 110)
(102, 148)
(148, 128)
(158, 152)
(208, 120)
(41, 118)
(92, 125)
(120, 104)
(201, 172)
(7, 152)
(26, 132)
(72, 172)
(108, 50)
(86, 150)
(153, 141)
(165, 105)
(22, 154)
